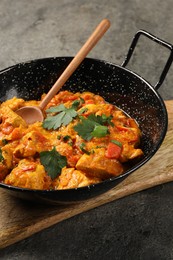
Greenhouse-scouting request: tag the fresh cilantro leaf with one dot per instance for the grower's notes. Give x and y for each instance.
(107, 120)
(53, 122)
(102, 120)
(64, 117)
(100, 131)
(53, 162)
(89, 128)
(85, 128)
(95, 118)
(1, 156)
(93, 126)
(75, 104)
(56, 109)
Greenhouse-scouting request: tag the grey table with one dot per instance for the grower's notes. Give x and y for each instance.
(139, 226)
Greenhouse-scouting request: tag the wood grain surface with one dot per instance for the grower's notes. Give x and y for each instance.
(20, 219)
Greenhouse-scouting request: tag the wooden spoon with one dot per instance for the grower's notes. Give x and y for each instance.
(32, 114)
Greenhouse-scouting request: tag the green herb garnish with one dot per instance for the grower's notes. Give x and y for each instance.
(63, 115)
(100, 131)
(102, 120)
(85, 128)
(93, 126)
(76, 104)
(53, 162)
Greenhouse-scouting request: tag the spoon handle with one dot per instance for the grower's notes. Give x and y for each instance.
(76, 61)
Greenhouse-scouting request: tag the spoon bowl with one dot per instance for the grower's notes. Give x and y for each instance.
(31, 114)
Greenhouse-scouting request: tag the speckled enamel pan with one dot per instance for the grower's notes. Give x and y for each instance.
(116, 84)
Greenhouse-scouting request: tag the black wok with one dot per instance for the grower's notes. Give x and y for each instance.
(116, 84)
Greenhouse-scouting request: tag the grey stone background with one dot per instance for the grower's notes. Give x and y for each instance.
(139, 226)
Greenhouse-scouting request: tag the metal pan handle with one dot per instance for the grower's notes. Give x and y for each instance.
(157, 40)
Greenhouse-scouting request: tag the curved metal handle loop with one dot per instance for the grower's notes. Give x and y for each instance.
(157, 40)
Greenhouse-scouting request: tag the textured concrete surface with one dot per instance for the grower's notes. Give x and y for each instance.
(136, 227)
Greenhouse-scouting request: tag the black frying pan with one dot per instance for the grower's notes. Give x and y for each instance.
(116, 84)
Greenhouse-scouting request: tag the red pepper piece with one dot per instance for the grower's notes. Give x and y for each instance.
(113, 151)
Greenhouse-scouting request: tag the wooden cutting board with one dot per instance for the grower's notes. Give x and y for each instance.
(20, 219)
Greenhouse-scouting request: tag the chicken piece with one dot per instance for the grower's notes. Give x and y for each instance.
(71, 178)
(9, 121)
(11, 118)
(32, 143)
(29, 174)
(13, 103)
(97, 165)
(129, 153)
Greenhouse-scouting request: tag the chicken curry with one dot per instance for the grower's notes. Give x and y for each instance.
(82, 141)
